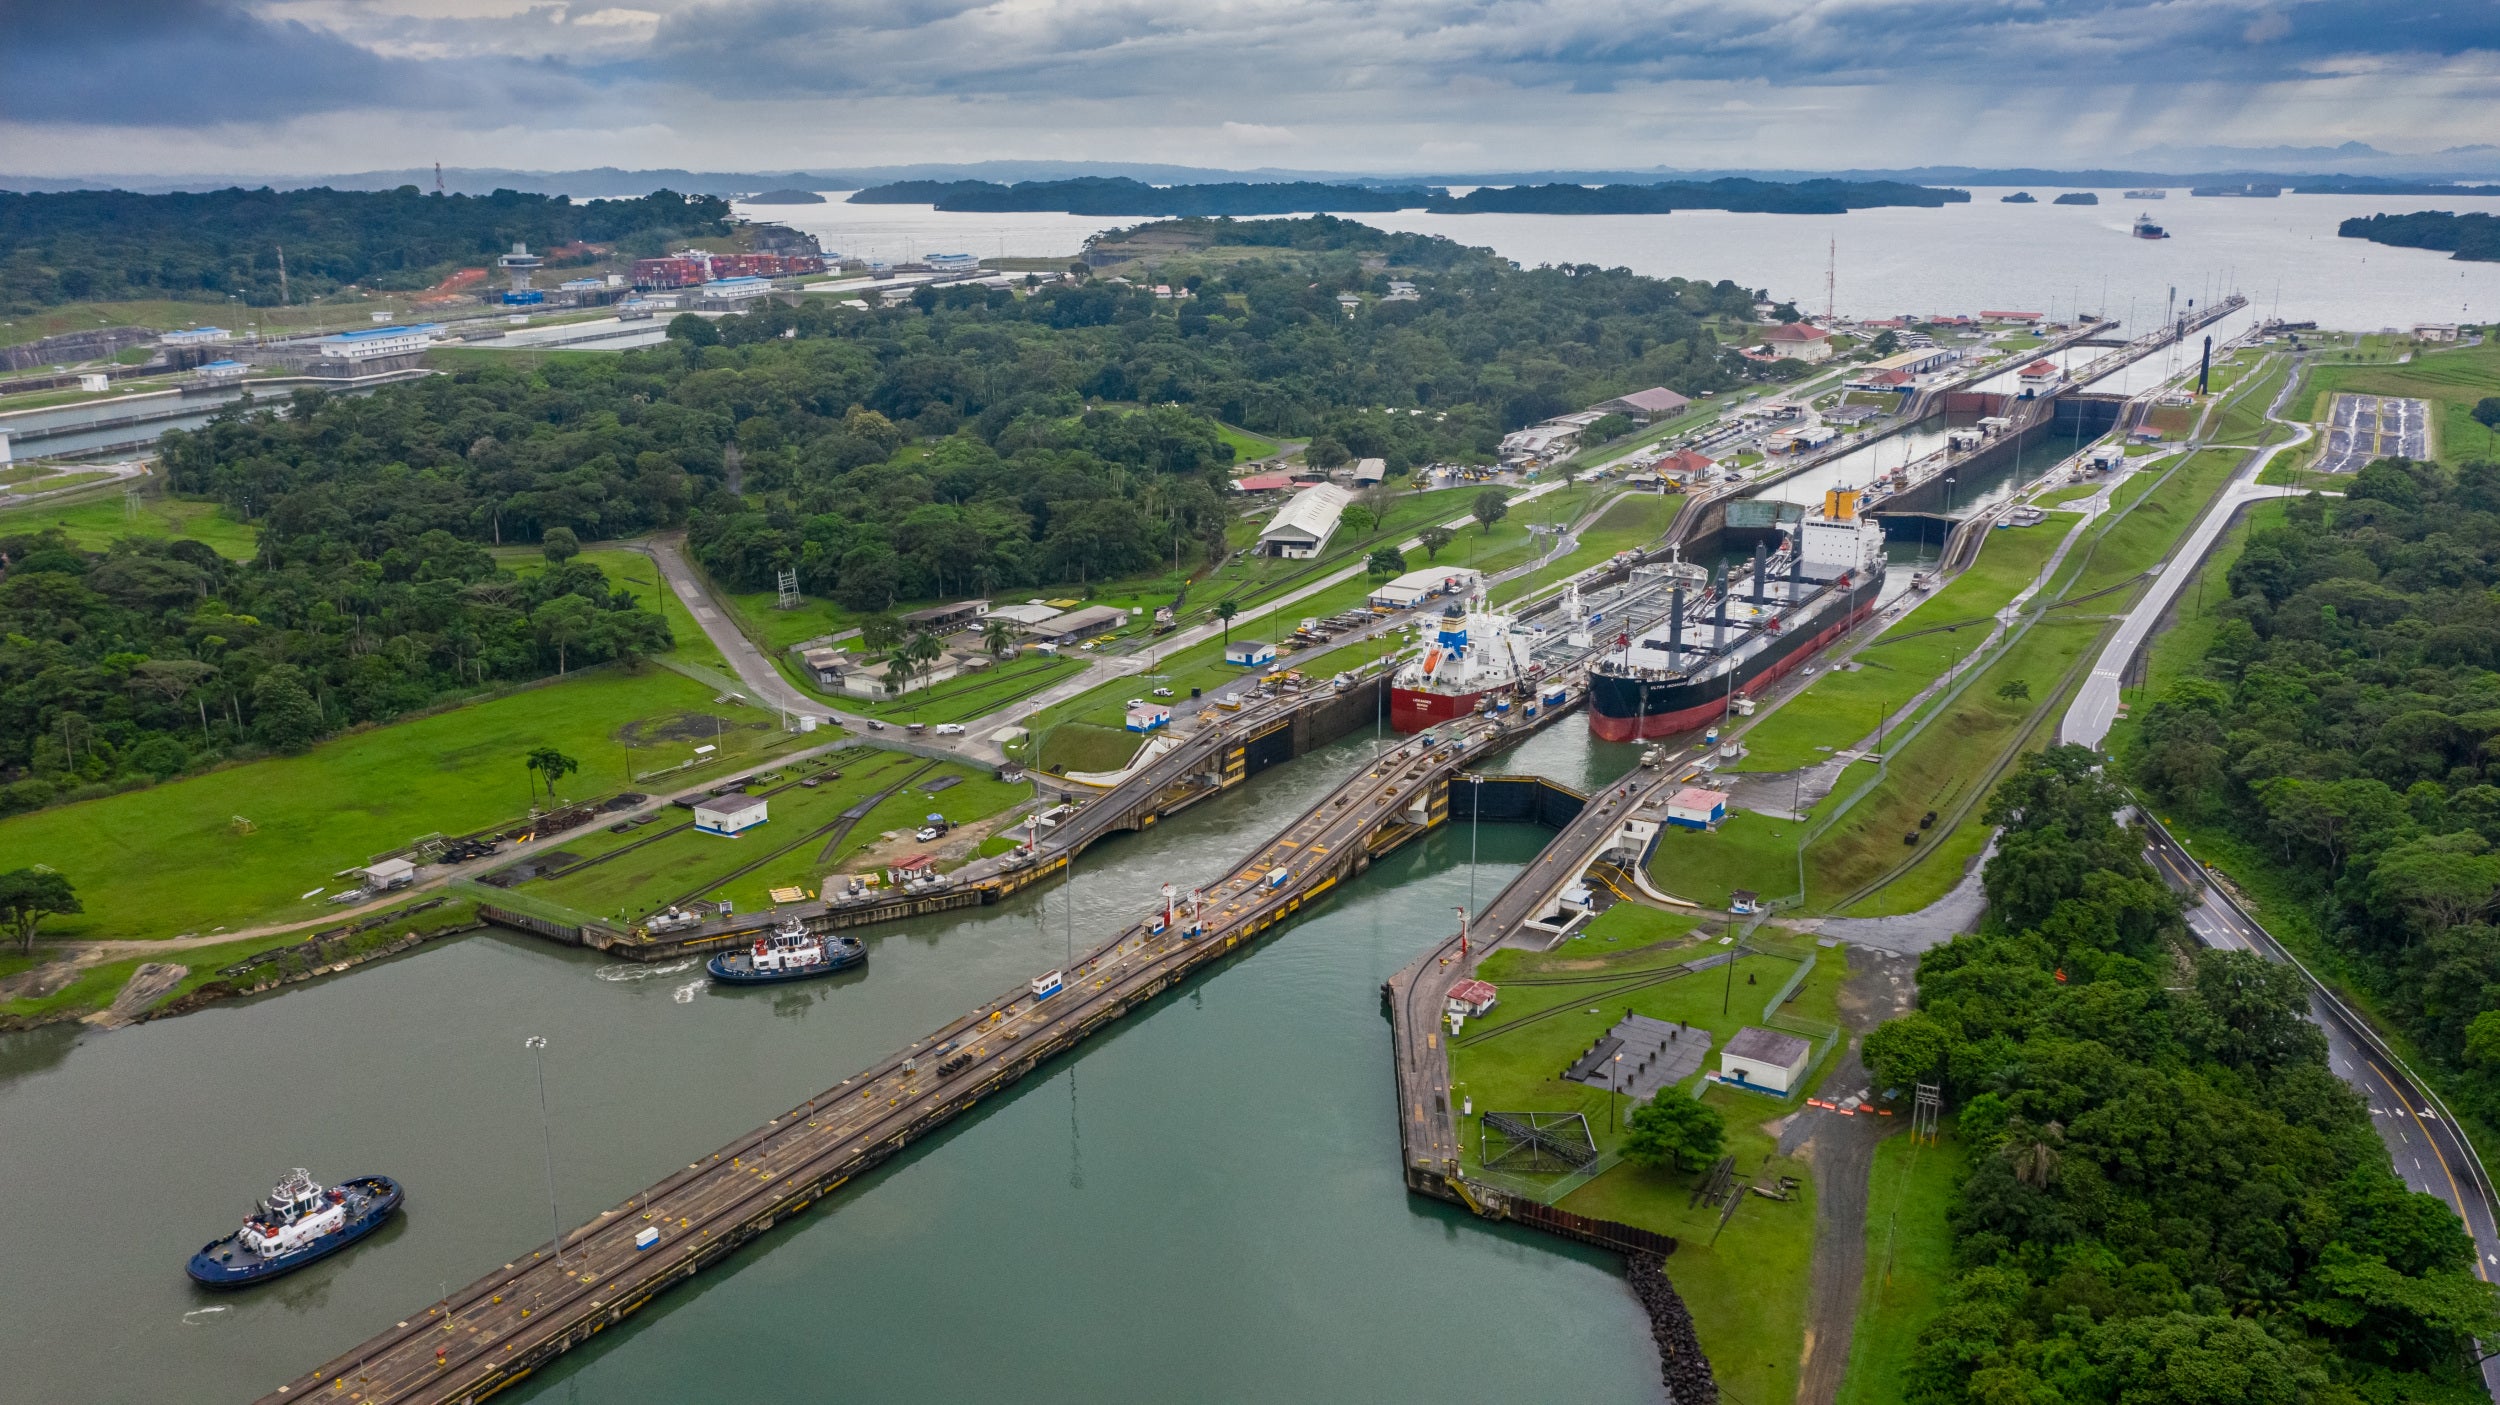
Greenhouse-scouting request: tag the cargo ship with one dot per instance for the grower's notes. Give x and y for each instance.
(2154, 193)
(298, 1223)
(2146, 229)
(1739, 635)
(1471, 659)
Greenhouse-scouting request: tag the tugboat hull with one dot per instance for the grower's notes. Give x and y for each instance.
(225, 1263)
(735, 968)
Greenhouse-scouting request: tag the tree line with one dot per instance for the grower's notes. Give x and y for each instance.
(2345, 728)
(2473, 236)
(2173, 1198)
(152, 657)
(113, 244)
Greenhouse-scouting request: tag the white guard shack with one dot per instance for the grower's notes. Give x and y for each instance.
(1473, 997)
(729, 814)
(1696, 808)
(1249, 653)
(388, 874)
(1148, 717)
(1765, 1060)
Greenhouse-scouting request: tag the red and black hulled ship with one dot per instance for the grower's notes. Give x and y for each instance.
(1473, 657)
(1739, 635)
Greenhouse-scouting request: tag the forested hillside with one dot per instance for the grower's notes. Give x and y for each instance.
(2468, 236)
(2174, 1198)
(2347, 728)
(108, 244)
(971, 440)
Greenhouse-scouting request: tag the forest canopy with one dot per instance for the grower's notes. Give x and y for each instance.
(112, 244)
(2474, 236)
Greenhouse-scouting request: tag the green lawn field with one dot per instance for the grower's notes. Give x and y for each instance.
(1843, 705)
(169, 860)
(1909, 1261)
(1747, 1290)
(98, 520)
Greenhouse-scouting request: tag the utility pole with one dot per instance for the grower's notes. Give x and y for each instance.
(1831, 280)
(283, 297)
(537, 1045)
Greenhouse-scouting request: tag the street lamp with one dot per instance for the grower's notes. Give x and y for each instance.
(537, 1045)
(1475, 826)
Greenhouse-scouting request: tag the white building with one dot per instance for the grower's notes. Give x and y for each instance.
(224, 372)
(197, 336)
(1302, 527)
(1696, 808)
(729, 814)
(732, 292)
(1415, 587)
(1249, 653)
(388, 874)
(1147, 717)
(1765, 1059)
(952, 263)
(375, 343)
(2041, 377)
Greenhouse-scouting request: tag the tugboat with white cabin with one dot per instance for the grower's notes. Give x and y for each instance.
(790, 953)
(298, 1222)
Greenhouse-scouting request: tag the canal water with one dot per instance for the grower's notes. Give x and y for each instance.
(1203, 1204)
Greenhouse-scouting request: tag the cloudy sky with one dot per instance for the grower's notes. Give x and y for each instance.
(299, 86)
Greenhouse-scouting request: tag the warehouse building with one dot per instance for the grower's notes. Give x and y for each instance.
(1302, 527)
(729, 814)
(1645, 406)
(1415, 587)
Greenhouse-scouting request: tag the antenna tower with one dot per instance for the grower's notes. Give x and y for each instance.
(1831, 279)
(438, 177)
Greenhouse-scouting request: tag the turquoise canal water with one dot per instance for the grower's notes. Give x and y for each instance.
(1203, 1205)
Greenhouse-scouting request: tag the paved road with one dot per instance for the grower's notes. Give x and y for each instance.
(2095, 707)
(2429, 1152)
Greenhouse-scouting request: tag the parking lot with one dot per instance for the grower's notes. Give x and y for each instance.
(2365, 427)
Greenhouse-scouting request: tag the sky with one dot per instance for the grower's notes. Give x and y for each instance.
(276, 87)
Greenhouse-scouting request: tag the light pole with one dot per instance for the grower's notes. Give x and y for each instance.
(1475, 826)
(1614, 1094)
(537, 1045)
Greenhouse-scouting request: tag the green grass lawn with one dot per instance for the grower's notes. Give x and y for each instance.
(98, 521)
(2451, 380)
(167, 859)
(1088, 746)
(2127, 546)
(2243, 418)
(166, 315)
(1842, 707)
(633, 571)
(1747, 1291)
(636, 883)
(2178, 649)
(1909, 1261)
(2069, 493)
(1632, 521)
(1246, 446)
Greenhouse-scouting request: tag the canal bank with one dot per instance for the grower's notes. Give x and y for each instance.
(1228, 1150)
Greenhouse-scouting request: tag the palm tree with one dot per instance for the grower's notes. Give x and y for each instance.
(921, 652)
(1225, 610)
(998, 639)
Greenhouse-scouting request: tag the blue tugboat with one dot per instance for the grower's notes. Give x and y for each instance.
(790, 954)
(298, 1223)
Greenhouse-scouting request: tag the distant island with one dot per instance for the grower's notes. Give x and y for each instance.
(1122, 196)
(786, 197)
(2474, 237)
(1813, 197)
(2019, 197)
(2077, 197)
(1118, 195)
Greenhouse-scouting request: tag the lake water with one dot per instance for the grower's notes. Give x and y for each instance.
(1204, 1204)
(2283, 253)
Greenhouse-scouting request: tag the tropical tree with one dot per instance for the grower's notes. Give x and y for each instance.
(1491, 506)
(920, 653)
(880, 632)
(2014, 690)
(1672, 1131)
(559, 545)
(1387, 561)
(552, 765)
(564, 623)
(2487, 414)
(1435, 538)
(1886, 342)
(29, 895)
(1225, 610)
(998, 639)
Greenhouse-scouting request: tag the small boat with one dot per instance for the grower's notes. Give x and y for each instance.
(297, 1223)
(2146, 229)
(791, 953)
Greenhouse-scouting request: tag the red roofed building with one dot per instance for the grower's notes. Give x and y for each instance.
(1263, 482)
(1472, 998)
(1798, 341)
(2040, 378)
(1996, 316)
(1684, 463)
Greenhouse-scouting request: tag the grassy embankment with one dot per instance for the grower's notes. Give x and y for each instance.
(1909, 1262)
(94, 522)
(1747, 1285)
(1957, 750)
(170, 859)
(1844, 704)
(688, 864)
(1632, 521)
